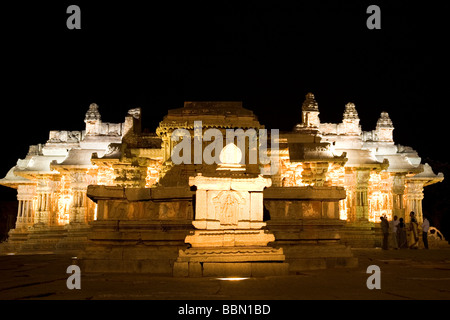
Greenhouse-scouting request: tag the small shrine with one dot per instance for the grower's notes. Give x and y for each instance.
(229, 237)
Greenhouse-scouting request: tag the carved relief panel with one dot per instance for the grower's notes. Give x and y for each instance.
(228, 206)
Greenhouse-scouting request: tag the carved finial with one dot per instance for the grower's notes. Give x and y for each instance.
(92, 114)
(384, 121)
(384, 128)
(230, 158)
(350, 111)
(230, 154)
(310, 104)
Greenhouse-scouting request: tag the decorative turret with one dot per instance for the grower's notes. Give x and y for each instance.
(350, 112)
(384, 129)
(351, 120)
(92, 120)
(310, 112)
(92, 114)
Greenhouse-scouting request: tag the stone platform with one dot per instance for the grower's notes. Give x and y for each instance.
(306, 225)
(230, 262)
(138, 230)
(36, 239)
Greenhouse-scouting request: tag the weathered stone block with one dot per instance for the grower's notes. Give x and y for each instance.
(180, 269)
(105, 192)
(330, 210)
(137, 194)
(195, 269)
(171, 193)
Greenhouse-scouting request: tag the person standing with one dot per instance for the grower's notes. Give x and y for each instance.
(401, 232)
(393, 232)
(385, 230)
(425, 227)
(413, 228)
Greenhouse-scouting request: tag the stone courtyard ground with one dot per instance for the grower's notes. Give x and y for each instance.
(405, 274)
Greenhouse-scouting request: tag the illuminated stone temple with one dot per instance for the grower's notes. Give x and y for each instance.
(380, 178)
(114, 195)
(54, 211)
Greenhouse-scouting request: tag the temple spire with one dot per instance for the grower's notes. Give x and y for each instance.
(310, 112)
(92, 114)
(384, 121)
(350, 112)
(92, 120)
(384, 129)
(351, 120)
(310, 103)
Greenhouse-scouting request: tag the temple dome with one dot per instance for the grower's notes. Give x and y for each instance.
(230, 154)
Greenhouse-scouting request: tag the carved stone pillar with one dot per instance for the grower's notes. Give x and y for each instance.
(78, 184)
(362, 185)
(43, 214)
(398, 192)
(350, 187)
(43, 208)
(414, 197)
(25, 213)
(78, 208)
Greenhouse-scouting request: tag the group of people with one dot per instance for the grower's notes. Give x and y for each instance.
(394, 232)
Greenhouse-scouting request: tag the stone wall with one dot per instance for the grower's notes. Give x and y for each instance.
(143, 230)
(137, 229)
(306, 224)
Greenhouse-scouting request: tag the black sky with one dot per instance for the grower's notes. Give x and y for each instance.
(268, 54)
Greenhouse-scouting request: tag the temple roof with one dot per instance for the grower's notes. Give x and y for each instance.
(12, 180)
(36, 165)
(427, 175)
(226, 114)
(361, 158)
(399, 163)
(216, 108)
(79, 157)
(299, 152)
(428, 172)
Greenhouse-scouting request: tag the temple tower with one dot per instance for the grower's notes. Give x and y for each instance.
(93, 120)
(351, 120)
(310, 112)
(384, 129)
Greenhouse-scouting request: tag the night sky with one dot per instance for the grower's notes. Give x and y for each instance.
(266, 54)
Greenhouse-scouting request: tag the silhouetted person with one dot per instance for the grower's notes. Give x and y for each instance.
(393, 232)
(425, 227)
(385, 230)
(413, 228)
(401, 234)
